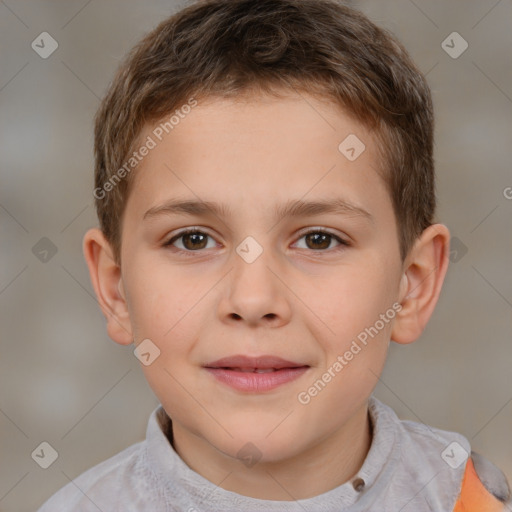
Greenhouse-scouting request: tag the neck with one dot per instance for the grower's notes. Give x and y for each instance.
(325, 465)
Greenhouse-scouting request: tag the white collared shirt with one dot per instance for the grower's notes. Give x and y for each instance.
(410, 467)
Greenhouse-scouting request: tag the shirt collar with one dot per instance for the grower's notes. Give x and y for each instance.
(183, 485)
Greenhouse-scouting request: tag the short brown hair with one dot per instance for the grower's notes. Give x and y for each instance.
(222, 48)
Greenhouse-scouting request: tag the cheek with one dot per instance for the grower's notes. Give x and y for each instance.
(353, 299)
(167, 309)
(159, 301)
(359, 313)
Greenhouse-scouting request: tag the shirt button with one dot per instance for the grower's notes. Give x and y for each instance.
(358, 484)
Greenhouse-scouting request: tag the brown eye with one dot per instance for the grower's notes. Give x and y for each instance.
(194, 240)
(191, 240)
(319, 240)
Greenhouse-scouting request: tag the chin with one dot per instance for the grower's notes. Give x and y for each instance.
(257, 445)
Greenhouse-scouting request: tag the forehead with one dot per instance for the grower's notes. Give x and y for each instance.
(251, 149)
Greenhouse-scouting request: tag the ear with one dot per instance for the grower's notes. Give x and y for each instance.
(425, 270)
(106, 280)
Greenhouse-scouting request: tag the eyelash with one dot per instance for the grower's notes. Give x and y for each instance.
(343, 243)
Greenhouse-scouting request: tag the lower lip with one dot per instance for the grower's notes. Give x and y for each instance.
(256, 382)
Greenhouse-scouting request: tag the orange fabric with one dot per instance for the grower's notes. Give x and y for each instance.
(474, 497)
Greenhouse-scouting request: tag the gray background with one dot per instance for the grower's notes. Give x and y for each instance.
(62, 380)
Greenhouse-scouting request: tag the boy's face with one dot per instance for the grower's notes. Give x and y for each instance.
(304, 298)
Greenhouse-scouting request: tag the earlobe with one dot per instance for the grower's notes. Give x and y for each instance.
(421, 283)
(106, 280)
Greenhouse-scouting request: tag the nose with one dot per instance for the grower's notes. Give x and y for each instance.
(255, 293)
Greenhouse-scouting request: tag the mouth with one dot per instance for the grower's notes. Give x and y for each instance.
(251, 370)
(255, 374)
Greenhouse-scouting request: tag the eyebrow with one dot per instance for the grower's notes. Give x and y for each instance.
(293, 208)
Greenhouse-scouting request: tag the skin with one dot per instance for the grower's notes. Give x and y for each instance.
(301, 300)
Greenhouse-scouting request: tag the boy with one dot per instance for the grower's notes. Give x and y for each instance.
(265, 189)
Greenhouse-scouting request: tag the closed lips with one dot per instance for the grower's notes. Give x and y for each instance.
(259, 364)
(253, 370)
(255, 374)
